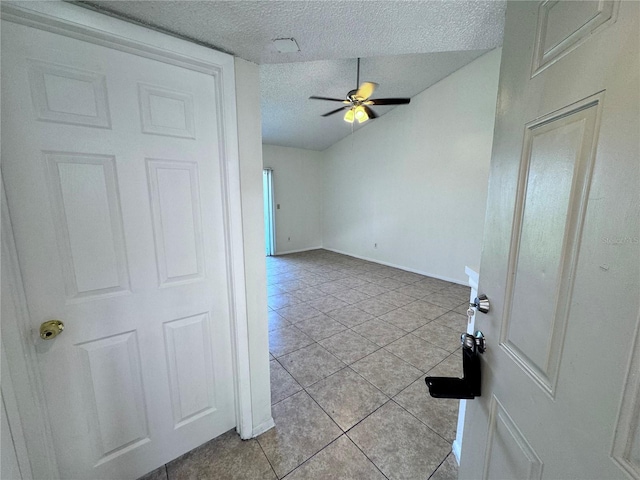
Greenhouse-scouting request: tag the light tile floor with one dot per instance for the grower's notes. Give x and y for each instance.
(351, 342)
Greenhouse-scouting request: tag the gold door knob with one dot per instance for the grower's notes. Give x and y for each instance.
(51, 329)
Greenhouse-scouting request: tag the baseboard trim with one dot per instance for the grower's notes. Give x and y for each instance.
(263, 427)
(455, 448)
(400, 267)
(297, 251)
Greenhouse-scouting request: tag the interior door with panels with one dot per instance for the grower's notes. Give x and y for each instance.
(561, 254)
(113, 171)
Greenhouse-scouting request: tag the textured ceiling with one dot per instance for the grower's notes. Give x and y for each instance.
(290, 119)
(325, 29)
(408, 45)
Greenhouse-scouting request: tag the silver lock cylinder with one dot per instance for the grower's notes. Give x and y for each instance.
(481, 303)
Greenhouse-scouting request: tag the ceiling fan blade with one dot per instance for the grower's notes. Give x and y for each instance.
(388, 101)
(370, 112)
(327, 98)
(366, 90)
(334, 111)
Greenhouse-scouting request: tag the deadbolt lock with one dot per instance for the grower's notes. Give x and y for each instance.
(51, 329)
(481, 303)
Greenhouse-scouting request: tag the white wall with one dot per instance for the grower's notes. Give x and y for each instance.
(414, 182)
(297, 188)
(250, 153)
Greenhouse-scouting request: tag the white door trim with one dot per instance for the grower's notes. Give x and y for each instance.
(86, 25)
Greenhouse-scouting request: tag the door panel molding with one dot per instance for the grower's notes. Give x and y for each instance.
(626, 442)
(523, 461)
(190, 358)
(176, 122)
(119, 421)
(83, 24)
(92, 112)
(539, 355)
(78, 203)
(180, 260)
(551, 45)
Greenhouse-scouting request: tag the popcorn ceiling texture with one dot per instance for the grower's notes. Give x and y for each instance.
(407, 40)
(325, 29)
(290, 119)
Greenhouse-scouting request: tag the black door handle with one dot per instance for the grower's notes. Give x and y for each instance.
(468, 386)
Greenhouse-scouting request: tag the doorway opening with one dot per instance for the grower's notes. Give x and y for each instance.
(269, 223)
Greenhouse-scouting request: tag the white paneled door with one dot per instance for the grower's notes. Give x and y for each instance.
(561, 258)
(112, 168)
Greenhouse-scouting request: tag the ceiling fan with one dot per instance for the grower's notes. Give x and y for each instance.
(358, 102)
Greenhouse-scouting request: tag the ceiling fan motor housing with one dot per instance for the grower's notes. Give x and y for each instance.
(351, 96)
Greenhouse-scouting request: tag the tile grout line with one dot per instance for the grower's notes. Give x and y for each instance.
(369, 354)
(265, 456)
(330, 418)
(354, 305)
(351, 329)
(363, 453)
(312, 456)
(358, 289)
(445, 459)
(345, 432)
(423, 423)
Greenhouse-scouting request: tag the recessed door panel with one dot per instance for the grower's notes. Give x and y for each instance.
(175, 201)
(116, 400)
(562, 26)
(626, 444)
(166, 112)
(190, 367)
(89, 229)
(552, 193)
(509, 454)
(63, 94)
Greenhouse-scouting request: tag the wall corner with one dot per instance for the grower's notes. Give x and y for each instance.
(247, 78)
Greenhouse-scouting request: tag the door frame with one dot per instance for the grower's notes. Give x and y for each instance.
(89, 26)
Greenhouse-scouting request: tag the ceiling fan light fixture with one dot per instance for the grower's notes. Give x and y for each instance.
(361, 114)
(350, 115)
(358, 102)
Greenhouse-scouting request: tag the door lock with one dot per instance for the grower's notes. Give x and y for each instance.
(481, 303)
(51, 329)
(477, 340)
(469, 386)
